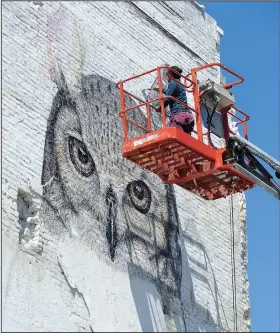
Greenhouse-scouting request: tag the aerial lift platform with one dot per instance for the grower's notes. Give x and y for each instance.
(192, 161)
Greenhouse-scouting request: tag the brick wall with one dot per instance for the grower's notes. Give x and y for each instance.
(81, 251)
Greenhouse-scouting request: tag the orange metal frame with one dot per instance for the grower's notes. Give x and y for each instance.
(177, 157)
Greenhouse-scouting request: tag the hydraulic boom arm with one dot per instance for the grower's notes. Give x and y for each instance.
(244, 153)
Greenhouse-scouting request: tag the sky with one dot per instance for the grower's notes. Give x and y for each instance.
(250, 46)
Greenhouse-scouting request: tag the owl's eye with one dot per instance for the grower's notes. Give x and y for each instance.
(80, 157)
(140, 196)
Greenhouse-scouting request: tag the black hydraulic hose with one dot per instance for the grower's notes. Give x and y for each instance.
(255, 167)
(272, 162)
(256, 163)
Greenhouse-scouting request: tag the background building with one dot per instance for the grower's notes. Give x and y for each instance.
(82, 249)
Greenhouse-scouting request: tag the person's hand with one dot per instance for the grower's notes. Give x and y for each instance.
(156, 88)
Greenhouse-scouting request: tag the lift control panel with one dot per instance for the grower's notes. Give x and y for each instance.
(211, 93)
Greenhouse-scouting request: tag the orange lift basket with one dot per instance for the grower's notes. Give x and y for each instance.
(179, 158)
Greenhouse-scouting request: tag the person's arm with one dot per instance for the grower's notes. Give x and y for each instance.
(170, 91)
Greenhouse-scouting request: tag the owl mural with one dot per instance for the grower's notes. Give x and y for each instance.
(125, 215)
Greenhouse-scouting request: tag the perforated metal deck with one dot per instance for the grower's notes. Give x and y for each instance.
(178, 158)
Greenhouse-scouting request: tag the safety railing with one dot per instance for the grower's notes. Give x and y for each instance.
(148, 103)
(213, 64)
(241, 121)
(196, 95)
(190, 83)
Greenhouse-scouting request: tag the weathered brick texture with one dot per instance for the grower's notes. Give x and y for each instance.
(58, 272)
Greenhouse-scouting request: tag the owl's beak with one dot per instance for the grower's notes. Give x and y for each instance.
(111, 227)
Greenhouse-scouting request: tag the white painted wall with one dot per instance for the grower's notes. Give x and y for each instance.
(61, 278)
